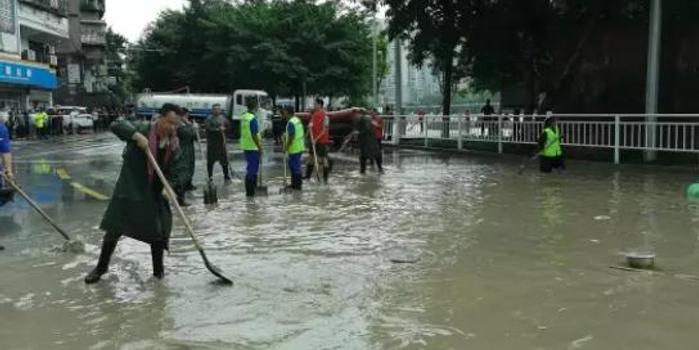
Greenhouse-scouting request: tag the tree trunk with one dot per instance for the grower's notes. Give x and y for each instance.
(447, 83)
(297, 103)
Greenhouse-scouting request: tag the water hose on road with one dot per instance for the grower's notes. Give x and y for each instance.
(173, 199)
(70, 245)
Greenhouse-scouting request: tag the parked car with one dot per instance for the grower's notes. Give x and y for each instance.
(75, 118)
(83, 121)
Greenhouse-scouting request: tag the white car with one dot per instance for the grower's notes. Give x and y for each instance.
(75, 118)
(82, 121)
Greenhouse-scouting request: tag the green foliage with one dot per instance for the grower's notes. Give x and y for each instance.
(278, 46)
(115, 54)
(433, 33)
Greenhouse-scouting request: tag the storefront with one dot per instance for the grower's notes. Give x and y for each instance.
(25, 86)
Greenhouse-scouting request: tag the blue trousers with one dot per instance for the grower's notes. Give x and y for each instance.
(253, 167)
(295, 163)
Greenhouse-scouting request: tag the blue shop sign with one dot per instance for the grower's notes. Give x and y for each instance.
(26, 75)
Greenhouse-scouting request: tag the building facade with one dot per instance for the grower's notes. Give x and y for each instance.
(415, 83)
(30, 31)
(84, 77)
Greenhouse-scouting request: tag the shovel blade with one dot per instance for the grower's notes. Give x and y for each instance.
(215, 270)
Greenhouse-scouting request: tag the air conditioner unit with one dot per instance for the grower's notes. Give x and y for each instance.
(54, 4)
(31, 55)
(53, 60)
(52, 49)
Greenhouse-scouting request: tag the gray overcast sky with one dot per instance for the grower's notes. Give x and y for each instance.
(130, 17)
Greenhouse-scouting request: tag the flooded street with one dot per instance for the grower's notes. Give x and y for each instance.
(504, 261)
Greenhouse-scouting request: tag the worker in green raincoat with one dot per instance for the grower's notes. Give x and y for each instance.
(369, 150)
(186, 162)
(138, 208)
(216, 144)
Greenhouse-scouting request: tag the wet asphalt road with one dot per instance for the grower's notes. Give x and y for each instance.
(502, 261)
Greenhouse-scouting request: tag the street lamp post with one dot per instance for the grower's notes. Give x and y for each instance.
(653, 67)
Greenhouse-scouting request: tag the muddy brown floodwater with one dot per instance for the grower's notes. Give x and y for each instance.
(495, 260)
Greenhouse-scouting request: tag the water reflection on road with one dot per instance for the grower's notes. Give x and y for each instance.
(504, 261)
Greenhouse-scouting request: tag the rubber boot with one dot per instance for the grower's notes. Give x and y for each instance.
(326, 174)
(156, 253)
(108, 248)
(309, 171)
(180, 192)
(226, 175)
(210, 169)
(250, 185)
(296, 182)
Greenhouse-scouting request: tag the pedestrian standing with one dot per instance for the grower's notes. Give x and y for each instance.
(294, 146)
(27, 132)
(216, 142)
(41, 120)
(486, 111)
(186, 132)
(251, 144)
(550, 150)
(320, 137)
(138, 208)
(378, 123)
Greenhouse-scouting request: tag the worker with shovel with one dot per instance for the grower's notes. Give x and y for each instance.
(138, 208)
(251, 144)
(550, 150)
(294, 146)
(216, 143)
(6, 192)
(319, 131)
(186, 164)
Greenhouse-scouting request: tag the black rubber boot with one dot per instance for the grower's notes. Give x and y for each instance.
(180, 192)
(326, 174)
(226, 175)
(296, 182)
(156, 253)
(250, 185)
(210, 169)
(309, 171)
(108, 248)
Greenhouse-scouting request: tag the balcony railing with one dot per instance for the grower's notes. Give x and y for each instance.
(93, 33)
(58, 7)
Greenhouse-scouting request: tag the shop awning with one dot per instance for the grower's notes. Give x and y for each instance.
(30, 75)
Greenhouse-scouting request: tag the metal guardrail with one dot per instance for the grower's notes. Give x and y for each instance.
(646, 132)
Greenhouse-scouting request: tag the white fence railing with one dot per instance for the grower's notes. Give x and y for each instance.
(646, 132)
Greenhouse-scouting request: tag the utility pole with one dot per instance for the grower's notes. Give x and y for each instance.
(398, 62)
(374, 73)
(653, 71)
